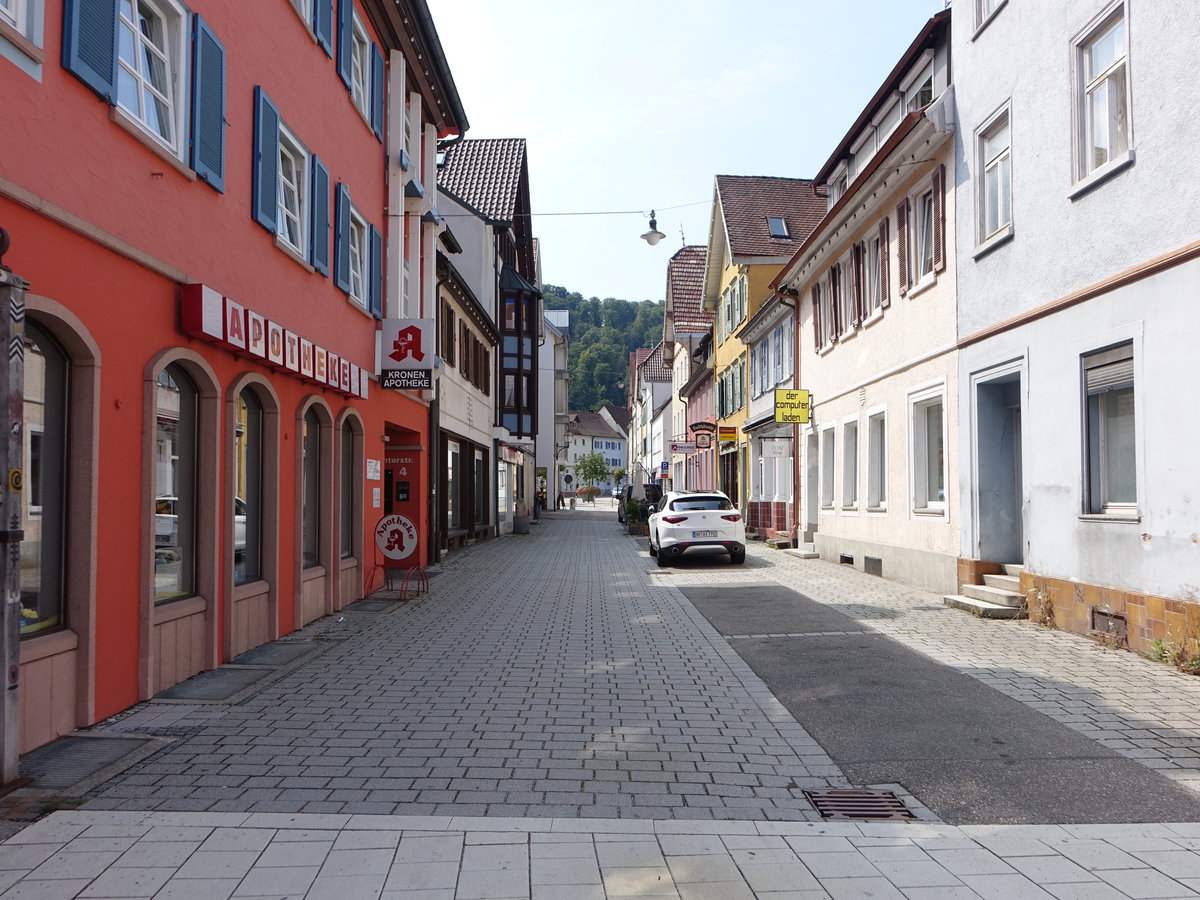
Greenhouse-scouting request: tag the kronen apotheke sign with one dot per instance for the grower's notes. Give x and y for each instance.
(223, 321)
(791, 406)
(406, 360)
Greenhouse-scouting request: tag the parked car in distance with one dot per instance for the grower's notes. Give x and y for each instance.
(653, 493)
(700, 521)
(616, 492)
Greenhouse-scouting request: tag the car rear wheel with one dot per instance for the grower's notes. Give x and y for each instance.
(737, 557)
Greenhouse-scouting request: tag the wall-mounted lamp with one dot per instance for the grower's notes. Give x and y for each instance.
(653, 236)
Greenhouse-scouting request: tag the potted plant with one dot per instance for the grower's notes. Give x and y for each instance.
(635, 516)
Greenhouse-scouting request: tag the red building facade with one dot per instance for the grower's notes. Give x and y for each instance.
(214, 207)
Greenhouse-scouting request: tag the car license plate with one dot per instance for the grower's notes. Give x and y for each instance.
(700, 534)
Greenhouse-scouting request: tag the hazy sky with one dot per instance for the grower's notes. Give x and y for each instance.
(637, 104)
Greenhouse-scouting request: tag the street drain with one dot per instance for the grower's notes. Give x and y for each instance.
(73, 759)
(858, 805)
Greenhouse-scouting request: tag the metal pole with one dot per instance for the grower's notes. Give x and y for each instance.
(12, 388)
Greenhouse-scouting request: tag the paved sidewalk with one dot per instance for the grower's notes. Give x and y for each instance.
(555, 720)
(329, 857)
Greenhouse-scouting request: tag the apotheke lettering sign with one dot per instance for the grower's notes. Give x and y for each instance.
(222, 321)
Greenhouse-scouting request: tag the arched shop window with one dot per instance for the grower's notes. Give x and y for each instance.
(247, 488)
(43, 501)
(175, 464)
(349, 495)
(311, 492)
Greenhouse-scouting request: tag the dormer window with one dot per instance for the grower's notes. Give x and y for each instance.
(778, 227)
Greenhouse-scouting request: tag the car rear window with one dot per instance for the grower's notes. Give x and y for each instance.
(687, 504)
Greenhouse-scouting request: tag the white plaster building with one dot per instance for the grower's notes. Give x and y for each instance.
(874, 285)
(554, 382)
(769, 337)
(1079, 260)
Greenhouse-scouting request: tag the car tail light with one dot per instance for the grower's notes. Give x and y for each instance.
(674, 520)
(733, 517)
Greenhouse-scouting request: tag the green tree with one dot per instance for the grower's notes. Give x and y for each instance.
(591, 468)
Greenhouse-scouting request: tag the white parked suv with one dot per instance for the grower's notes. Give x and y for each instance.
(703, 521)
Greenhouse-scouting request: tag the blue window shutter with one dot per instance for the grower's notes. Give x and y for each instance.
(378, 90)
(90, 44)
(376, 288)
(208, 105)
(266, 161)
(345, 37)
(341, 239)
(323, 24)
(319, 251)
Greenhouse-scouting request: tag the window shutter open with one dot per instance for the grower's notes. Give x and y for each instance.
(835, 302)
(885, 284)
(318, 253)
(816, 318)
(378, 91)
(376, 289)
(856, 283)
(208, 105)
(265, 201)
(939, 219)
(902, 249)
(323, 24)
(90, 44)
(345, 39)
(341, 238)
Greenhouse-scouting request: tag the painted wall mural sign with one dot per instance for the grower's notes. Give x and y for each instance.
(396, 536)
(220, 320)
(406, 353)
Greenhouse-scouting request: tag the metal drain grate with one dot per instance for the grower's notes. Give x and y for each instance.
(72, 759)
(858, 805)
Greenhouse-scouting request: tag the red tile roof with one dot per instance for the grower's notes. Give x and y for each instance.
(591, 424)
(486, 173)
(685, 285)
(747, 200)
(653, 368)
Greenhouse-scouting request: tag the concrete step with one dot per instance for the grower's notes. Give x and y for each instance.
(779, 543)
(997, 596)
(983, 608)
(1005, 582)
(1013, 569)
(804, 551)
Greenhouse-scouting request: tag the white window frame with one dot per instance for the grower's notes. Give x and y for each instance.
(1096, 443)
(845, 296)
(850, 464)
(872, 287)
(918, 272)
(360, 67)
(360, 255)
(292, 197)
(304, 9)
(877, 460)
(174, 56)
(985, 11)
(14, 14)
(919, 74)
(782, 231)
(1000, 162)
(827, 450)
(1116, 72)
(920, 404)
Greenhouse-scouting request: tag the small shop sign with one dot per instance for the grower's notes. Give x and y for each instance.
(791, 406)
(406, 360)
